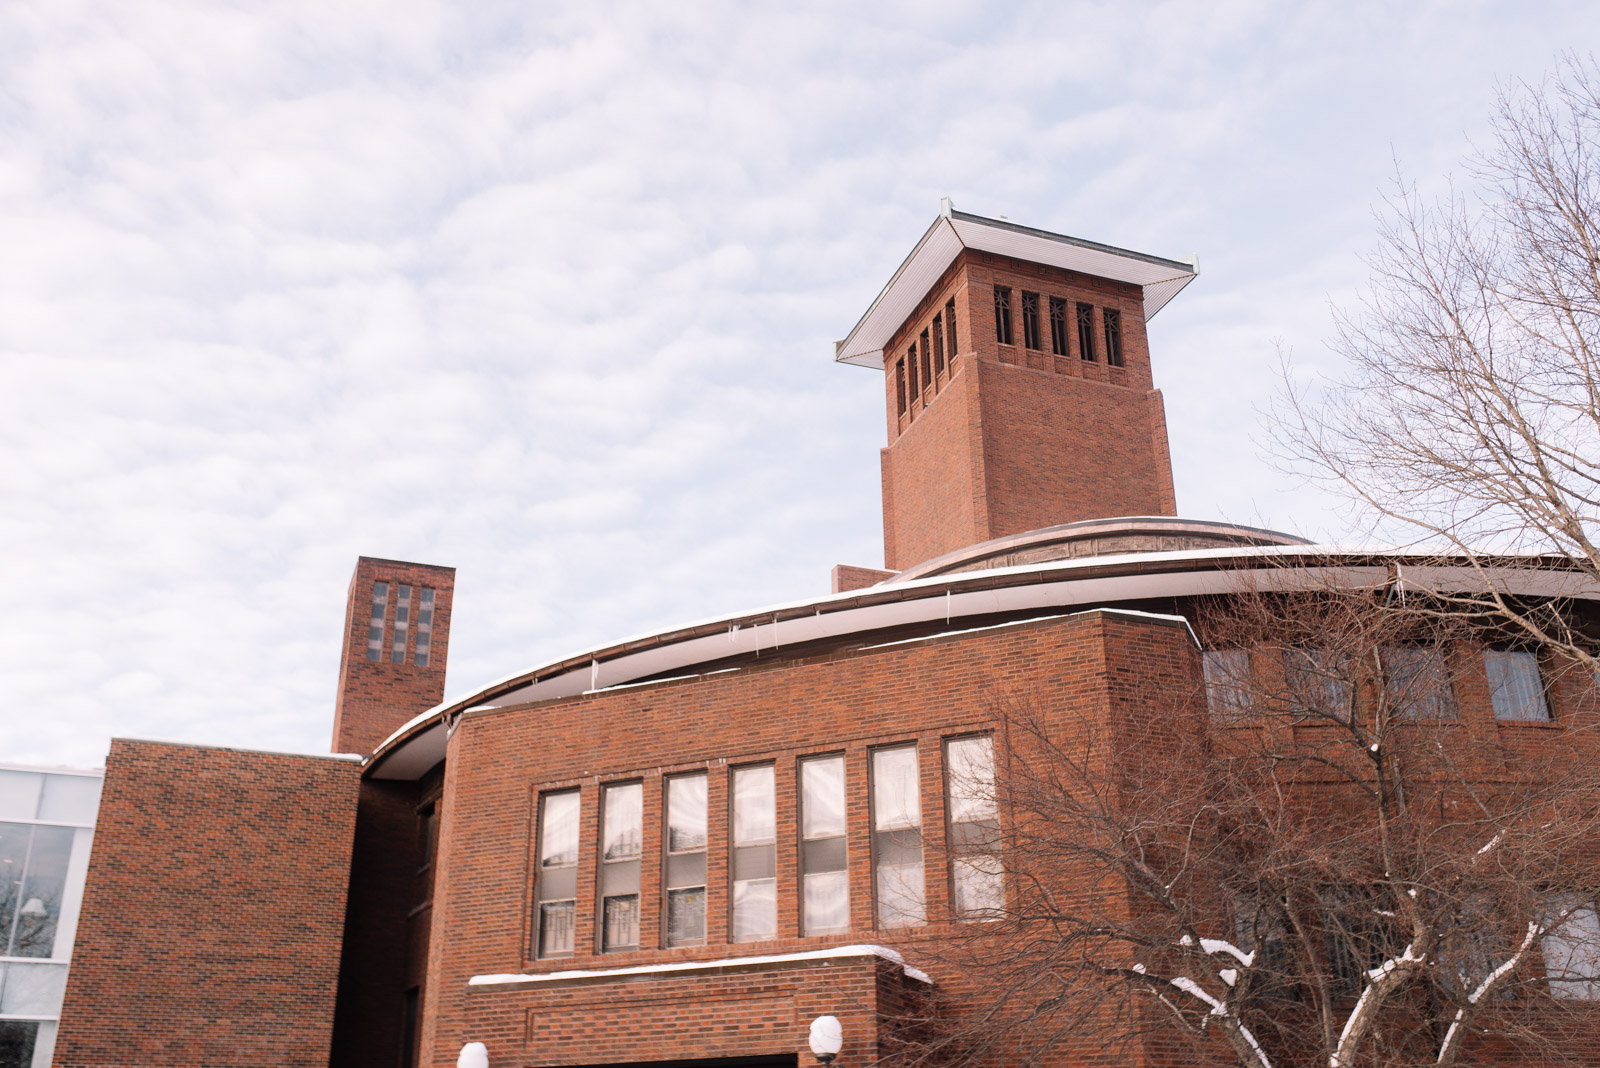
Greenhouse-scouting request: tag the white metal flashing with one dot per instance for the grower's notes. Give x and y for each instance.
(703, 966)
(1161, 279)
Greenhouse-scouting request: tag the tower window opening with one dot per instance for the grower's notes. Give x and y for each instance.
(927, 368)
(900, 386)
(402, 623)
(1002, 315)
(1058, 326)
(419, 656)
(1113, 321)
(950, 327)
(938, 344)
(1030, 320)
(911, 362)
(1086, 331)
(380, 602)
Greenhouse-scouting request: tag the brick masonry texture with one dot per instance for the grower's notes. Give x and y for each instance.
(501, 761)
(214, 910)
(377, 696)
(847, 577)
(1011, 439)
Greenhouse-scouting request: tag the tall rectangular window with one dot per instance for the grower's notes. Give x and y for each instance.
(938, 344)
(900, 386)
(976, 879)
(825, 881)
(911, 362)
(1319, 682)
(1030, 320)
(1571, 947)
(754, 861)
(1002, 315)
(1113, 320)
(1086, 331)
(558, 873)
(402, 623)
(380, 603)
(897, 837)
(950, 327)
(1227, 673)
(685, 846)
(424, 647)
(1058, 326)
(1515, 685)
(621, 838)
(1417, 682)
(927, 365)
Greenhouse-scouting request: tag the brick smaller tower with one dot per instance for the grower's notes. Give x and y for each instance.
(396, 643)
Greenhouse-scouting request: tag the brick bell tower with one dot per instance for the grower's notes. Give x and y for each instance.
(1017, 384)
(396, 643)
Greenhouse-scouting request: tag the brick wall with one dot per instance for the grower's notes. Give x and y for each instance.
(376, 696)
(213, 913)
(1011, 439)
(501, 761)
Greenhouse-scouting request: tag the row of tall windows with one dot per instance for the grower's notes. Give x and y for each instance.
(1033, 338)
(918, 374)
(404, 623)
(899, 888)
(1416, 680)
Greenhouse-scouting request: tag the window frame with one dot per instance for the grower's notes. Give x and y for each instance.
(771, 845)
(803, 839)
(601, 894)
(1084, 313)
(540, 869)
(954, 847)
(667, 853)
(1003, 330)
(875, 849)
(1546, 697)
(1031, 337)
(1111, 323)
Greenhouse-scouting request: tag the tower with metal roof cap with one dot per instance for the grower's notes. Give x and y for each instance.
(1017, 382)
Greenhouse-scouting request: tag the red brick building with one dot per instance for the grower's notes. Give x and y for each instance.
(684, 848)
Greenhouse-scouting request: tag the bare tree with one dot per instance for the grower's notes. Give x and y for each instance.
(1319, 855)
(1469, 417)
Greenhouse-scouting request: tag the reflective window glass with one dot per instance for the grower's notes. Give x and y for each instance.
(753, 863)
(897, 837)
(826, 887)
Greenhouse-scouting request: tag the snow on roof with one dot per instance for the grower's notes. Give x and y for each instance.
(698, 966)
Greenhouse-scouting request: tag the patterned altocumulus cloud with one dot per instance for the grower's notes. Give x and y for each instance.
(547, 292)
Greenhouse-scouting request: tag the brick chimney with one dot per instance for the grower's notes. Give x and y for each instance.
(396, 643)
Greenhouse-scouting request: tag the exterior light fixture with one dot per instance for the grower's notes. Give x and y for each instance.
(826, 1038)
(473, 1055)
(35, 907)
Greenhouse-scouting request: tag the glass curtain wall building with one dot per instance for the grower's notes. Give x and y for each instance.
(46, 826)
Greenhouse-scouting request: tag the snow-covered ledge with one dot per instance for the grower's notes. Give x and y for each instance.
(586, 976)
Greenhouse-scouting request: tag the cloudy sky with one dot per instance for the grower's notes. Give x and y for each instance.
(547, 292)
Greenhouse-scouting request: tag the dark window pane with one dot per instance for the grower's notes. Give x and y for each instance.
(911, 362)
(927, 366)
(938, 344)
(1417, 682)
(1030, 319)
(1058, 326)
(1002, 315)
(555, 928)
(17, 1038)
(686, 916)
(620, 922)
(1113, 321)
(1086, 331)
(950, 327)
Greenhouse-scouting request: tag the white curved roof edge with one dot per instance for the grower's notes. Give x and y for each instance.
(1161, 279)
(1058, 587)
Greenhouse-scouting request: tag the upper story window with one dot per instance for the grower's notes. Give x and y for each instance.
(825, 883)
(950, 327)
(1571, 947)
(897, 837)
(1058, 326)
(1416, 682)
(1086, 331)
(1030, 320)
(402, 623)
(685, 844)
(754, 860)
(927, 366)
(911, 363)
(1113, 322)
(1227, 674)
(621, 837)
(1516, 687)
(557, 888)
(938, 344)
(424, 647)
(977, 879)
(380, 603)
(1002, 315)
(900, 386)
